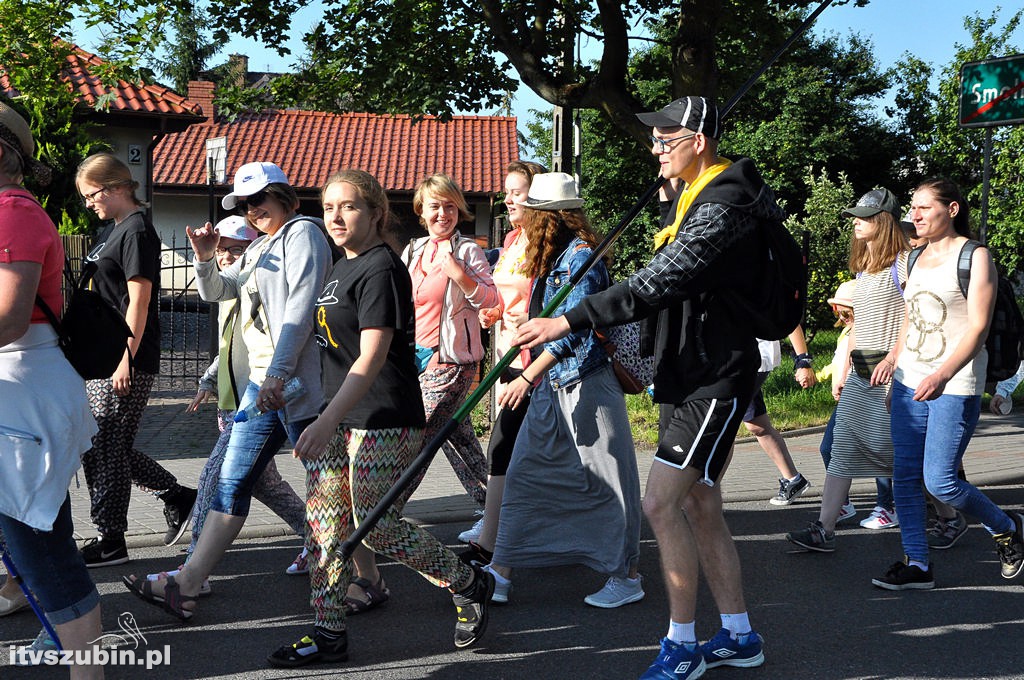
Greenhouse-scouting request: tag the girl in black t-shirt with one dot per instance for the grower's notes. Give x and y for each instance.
(370, 430)
(126, 259)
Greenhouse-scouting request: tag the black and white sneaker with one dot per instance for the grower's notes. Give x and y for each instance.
(1010, 547)
(105, 551)
(903, 576)
(471, 608)
(177, 512)
(789, 490)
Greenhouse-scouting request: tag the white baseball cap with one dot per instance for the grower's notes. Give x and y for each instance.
(237, 228)
(252, 178)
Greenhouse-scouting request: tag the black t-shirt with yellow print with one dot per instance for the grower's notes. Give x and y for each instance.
(371, 291)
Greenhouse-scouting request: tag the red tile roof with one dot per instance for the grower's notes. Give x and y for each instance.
(131, 98)
(310, 145)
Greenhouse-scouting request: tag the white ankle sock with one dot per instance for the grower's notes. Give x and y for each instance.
(736, 624)
(917, 563)
(682, 633)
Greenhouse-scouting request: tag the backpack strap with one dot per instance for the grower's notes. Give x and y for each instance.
(963, 264)
(912, 257)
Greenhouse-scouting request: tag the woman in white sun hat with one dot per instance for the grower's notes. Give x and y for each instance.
(572, 493)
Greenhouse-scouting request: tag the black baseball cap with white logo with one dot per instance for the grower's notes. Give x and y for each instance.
(693, 113)
(875, 201)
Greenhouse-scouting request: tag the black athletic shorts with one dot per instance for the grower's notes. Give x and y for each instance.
(756, 407)
(699, 434)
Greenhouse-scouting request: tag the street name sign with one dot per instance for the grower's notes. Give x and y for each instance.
(992, 92)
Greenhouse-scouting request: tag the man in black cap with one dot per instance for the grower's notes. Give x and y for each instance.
(707, 360)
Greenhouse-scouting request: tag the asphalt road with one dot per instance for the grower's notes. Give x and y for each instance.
(819, 615)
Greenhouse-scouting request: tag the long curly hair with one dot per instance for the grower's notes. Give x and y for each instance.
(549, 232)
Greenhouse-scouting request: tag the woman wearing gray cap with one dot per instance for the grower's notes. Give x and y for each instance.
(276, 283)
(862, 445)
(45, 425)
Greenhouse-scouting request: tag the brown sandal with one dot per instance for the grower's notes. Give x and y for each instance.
(172, 601)
(376, 595)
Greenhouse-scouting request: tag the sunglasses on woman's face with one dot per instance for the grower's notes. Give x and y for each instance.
(843, 314)
(254, 201)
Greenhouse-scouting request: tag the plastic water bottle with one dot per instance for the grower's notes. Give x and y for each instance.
(292, 389)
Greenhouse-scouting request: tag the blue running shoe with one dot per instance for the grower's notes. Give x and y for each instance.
(676, 662)
(723, 650)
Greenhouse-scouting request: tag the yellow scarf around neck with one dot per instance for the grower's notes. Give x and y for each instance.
(690, 193)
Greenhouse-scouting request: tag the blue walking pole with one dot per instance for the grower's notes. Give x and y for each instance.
(13, 573)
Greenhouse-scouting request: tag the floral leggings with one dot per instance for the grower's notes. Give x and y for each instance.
(444, 388)
(270, 489)
(342, 486)
(113, 463)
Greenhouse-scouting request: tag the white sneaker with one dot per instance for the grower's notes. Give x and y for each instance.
(472, 533)
(617, 592)
(846, 512)
(300, 565)
(880, 518)
(502, 587)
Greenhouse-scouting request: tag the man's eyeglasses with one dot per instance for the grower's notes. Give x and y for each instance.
(254, 201)
(91, 198)
(663, 144)
(235, 251)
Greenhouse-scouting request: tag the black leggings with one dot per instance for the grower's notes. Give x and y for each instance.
(503, 437)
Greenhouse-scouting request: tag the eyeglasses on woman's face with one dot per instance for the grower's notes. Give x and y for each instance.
(234, 251)
(93, 195)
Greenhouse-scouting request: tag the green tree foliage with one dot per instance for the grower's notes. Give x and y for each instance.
(829, 243)
(440, 56)
(188, 52)
(942, 147)
(34, 62)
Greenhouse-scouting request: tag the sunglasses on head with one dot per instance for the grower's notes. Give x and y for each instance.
(254, 201)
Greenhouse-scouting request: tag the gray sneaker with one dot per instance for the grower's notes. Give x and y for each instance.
(944, 533)
(789, 490)
(814, 537)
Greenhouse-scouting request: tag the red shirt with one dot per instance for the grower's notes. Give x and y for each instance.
(27, 234)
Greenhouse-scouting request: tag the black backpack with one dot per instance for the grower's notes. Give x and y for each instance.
(777, 307)
(1007, 328)
(93, 334)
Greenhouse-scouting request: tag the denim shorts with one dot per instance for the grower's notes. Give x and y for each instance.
(51, 566)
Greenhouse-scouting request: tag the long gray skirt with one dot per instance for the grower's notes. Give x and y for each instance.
(572, 493)
(862, 444)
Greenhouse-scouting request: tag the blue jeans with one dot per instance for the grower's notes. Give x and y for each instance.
(250, 448)
(883, 485)
(51, 566)
(929, 439)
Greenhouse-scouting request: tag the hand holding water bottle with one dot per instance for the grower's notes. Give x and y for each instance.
(292, 389)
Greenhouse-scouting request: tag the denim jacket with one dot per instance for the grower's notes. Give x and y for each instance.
(579, 354)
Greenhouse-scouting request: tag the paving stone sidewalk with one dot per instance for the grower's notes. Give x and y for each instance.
(182, 441)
